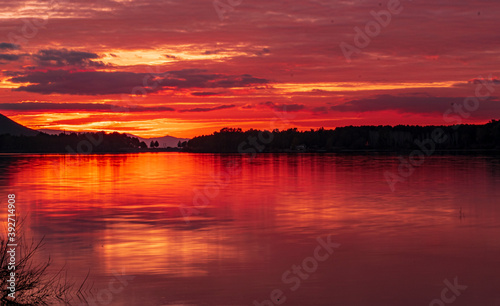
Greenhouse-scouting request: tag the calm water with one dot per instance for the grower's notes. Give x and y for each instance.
(203, 229)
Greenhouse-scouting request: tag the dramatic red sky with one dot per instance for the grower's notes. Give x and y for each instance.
(157, 67)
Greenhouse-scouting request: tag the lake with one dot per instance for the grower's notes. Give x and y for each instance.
(287, 229)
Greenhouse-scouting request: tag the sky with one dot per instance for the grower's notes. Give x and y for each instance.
(190, 67)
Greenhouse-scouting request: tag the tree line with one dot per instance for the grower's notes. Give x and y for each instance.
(70, 143)
(235, 140)
(349, 138)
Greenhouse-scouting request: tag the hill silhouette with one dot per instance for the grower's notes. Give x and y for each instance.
(8, 126)
(16, 138)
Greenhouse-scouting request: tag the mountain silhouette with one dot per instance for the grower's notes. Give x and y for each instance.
(8, 126)
(164, 142)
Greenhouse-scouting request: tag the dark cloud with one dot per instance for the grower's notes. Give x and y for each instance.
(423, 104)
(64, 57)
(49, 106)
(8, 46)
(12, 73)
(170, 56)
(320, 110)
(9, 57)
(206, 109)
(210, 52)
(237, 81)
(484, 81)
(146, 109)
(80, 83)
(104, 83)
(262, 52)
(206, 93)
(284, 107)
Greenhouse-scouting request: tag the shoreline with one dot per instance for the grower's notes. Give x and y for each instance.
(291, 152)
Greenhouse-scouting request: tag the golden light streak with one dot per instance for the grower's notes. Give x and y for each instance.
(358, 86)
(9, 85)
(37, 120)
(50, 9)
(181, 52)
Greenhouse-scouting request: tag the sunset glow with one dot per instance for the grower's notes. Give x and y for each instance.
(169, 68)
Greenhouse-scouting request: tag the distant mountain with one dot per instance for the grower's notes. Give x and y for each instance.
(50, 131)
(164, 142)
(8, 126)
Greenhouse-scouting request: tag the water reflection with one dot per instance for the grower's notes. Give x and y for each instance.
(121, 212)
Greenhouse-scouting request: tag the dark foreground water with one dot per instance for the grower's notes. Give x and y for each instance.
(204, 229)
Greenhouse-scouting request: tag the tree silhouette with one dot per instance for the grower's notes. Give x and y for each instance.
(349, 138)
(69, 143)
